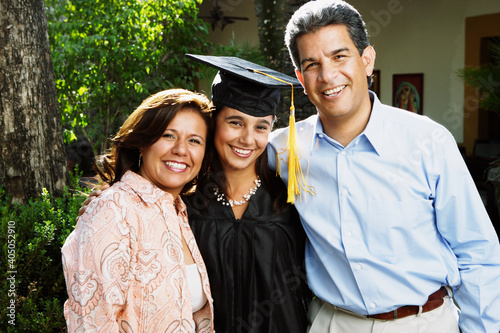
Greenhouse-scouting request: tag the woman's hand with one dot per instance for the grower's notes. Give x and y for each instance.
(94, 194)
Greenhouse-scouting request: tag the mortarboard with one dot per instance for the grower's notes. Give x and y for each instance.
(245, 86)
(255, 90)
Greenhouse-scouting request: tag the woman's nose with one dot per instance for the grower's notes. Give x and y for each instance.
(180, 148)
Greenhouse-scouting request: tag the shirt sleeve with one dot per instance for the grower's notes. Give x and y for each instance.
(96, 262)
(464, 224)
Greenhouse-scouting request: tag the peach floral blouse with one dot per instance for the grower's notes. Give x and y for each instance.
(124, 265)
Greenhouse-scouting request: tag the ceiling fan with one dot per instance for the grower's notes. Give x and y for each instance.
(217, 15)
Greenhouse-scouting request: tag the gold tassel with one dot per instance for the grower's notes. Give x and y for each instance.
(297, 182)
(296, 179)
(293, 160)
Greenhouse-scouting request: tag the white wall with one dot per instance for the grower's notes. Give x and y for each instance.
(423, 36)
(243, 31)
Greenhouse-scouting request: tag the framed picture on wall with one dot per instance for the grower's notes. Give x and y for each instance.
(376, 82)
(407, 92)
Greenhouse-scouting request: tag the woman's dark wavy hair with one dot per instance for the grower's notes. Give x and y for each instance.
(145, 126)
(315, 15)
(273, 184)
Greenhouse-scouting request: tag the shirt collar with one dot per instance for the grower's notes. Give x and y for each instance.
(373, 131)
(318, 131)
(148, 192)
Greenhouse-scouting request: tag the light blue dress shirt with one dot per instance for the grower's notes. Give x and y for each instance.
(396, 216)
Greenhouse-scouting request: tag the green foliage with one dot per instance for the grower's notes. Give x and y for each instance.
(245, 51)
(273, 17)
(486, 79)
(110, 55)
(40, 228)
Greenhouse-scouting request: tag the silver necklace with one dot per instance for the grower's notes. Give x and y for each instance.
(221, 197)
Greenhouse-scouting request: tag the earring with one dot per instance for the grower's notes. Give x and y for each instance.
(140, 158)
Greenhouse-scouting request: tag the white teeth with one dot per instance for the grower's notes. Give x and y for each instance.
(242, 151)
(333, 91)
(176, 165)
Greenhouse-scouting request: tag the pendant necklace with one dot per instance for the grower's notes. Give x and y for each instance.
(230, 202)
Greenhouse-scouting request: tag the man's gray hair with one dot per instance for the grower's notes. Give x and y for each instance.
(321, 13)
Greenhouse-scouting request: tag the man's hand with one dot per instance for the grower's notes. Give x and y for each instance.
(94, 194)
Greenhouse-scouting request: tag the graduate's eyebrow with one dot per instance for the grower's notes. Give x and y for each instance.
(235, 117)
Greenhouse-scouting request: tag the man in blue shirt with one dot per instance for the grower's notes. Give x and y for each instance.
(397, 224)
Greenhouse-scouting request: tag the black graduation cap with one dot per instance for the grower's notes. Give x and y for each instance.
(245, 86)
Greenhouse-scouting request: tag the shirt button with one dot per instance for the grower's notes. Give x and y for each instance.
(349, 233)
(320, 135)
(373, 305)
(357, 266)
(345, 192)
(343, 152)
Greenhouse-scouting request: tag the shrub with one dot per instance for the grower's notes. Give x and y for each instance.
(33, 264)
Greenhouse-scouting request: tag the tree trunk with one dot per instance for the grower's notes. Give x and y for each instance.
(273, 17)
(31, 141)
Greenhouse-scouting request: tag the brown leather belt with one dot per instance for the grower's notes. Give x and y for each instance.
(434, 301)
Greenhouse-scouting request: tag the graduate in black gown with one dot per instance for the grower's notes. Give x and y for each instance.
(251, 240)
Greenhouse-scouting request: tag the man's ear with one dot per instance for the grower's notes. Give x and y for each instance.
(368, 57)
(301, 79)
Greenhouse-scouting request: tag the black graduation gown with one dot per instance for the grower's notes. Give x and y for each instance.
(255, 264)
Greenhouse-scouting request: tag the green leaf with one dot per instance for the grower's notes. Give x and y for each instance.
(82, 90)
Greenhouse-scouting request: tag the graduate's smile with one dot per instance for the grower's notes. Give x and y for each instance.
(241, 152)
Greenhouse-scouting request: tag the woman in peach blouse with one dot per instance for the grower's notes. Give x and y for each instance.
(132, 263)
